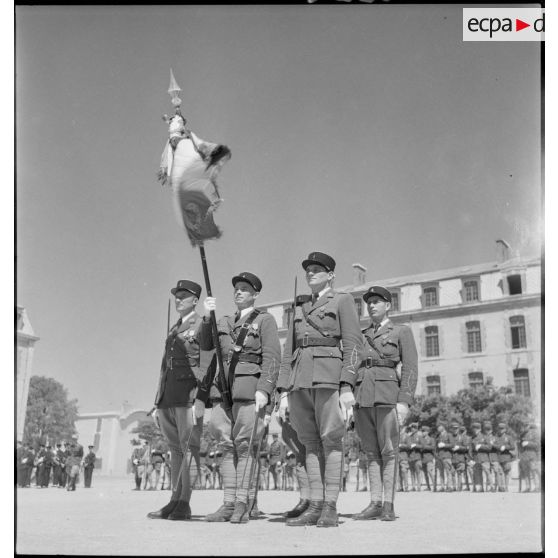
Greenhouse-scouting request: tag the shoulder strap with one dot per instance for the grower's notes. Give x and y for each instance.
(239, 343)
(310, 321)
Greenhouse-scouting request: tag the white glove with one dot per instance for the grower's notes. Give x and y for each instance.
(261, 400)
(402, 410)
(283, 406)
(413, 445)
(347, 400)
(477, 447)
(441, 445)
(455, 448)
(267, 420)
(209, 304)
(524, 443)
(503, 448)
(198, 409)
(155, 417)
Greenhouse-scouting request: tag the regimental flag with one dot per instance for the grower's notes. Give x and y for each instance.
(191, 166)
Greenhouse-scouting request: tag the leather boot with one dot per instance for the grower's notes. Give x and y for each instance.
(164, 512)
(372, 511)
(388, 514)
(329, 515)
(309, 517)
(300, 508)
(224, 513)
(240, 513)
(181, 512)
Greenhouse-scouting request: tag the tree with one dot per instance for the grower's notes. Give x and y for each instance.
(50, 415)
(148, 430)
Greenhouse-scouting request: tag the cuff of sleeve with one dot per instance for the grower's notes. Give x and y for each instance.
(348, 378)
(404, 398)
(345, 388)
(265, 387)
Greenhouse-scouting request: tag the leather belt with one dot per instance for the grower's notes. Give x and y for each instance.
(245, 357)
(316, 342)
(172, 362)
(369, 362)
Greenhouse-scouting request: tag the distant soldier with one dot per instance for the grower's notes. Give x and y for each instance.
(157, 462)
(39, 464)
(274, 455)
(459, 452)
(73, 463)
(58, 466)
(137, 467)
(20, 450)
(529, 461)
(469, 460)
(404, 448)
(415, 457)
(506, 453)
(88, 466)
(444, 443)
(493, 457)
(480, 447)
(427, 449)
(27, 460)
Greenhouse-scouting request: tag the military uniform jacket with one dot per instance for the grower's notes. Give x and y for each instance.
(137, 454)
(317, 366)
(494, 451)
(460, 448)
(75, 455)
(404, 447)
(531, 450)
(180, 367)
(480, 453)
(507, 442)
(427, 448)
(414, 452)
(381, 385)
(89, 460)
(261, 351)
(446, 438)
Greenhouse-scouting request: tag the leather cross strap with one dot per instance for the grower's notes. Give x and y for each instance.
(239, 343)
(310, 321)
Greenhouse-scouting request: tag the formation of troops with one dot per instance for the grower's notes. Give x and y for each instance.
(329, 375)
(58, 466)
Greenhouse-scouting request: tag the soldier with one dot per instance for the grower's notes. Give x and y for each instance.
(444, 445)
(469, 460)
(530, 467)
(383, 395)
(137, 467)
(480, 447)
(250, 344)
(316, 382)
(28, 457)
(362, 469)
(427, 449)
(73, 463)
(57, 466)
(415, 457)
(404, 449)
(493, 457)
(291, 440)
(178, 381)
(157, 462)
(18, 457)
(506, 453)
(459, 450)
(88, 466)
(274, 455)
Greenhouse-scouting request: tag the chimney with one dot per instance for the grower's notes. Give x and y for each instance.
(502, 251)
(359, 274)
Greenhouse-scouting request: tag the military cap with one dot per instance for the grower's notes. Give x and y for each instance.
(501, 425)
(74, 436)
(462, 429)
(275, 435)
(321, 259)
(414, 425)
(249, 278)
(487, 424)
(190, 286)
(455, 425)
(91, 446)
(475, 425)
(211, 454)
(219, 453)
(378, 291)
(425, 428)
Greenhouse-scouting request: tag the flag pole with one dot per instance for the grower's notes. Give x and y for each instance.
(223, 387)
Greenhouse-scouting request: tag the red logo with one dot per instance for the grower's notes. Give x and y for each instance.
(519, 25)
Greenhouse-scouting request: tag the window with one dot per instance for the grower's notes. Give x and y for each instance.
(433, 385)
(432, 345)
(521, 381)
(473, 337)
(430, 295)
(287, 316)
(514, 284)
(471, 291)
(395, 302)
(476, 380)
(358, 305)
(518, 339)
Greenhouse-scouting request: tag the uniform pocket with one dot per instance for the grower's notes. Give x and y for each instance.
(386, 391)
(246, 377)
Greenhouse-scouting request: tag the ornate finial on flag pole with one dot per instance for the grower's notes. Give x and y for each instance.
(174, 89)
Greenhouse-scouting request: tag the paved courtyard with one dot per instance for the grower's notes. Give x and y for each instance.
(110, 519)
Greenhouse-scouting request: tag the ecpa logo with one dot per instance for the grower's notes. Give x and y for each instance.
(503, 24)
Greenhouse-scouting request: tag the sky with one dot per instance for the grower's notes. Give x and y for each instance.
(370, 132)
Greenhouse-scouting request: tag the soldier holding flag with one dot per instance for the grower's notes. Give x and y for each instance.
(252, 352)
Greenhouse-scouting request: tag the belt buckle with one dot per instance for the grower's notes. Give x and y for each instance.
(305, 340)
(368, 362)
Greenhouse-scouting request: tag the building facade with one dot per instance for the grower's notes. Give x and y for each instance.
(473, 325)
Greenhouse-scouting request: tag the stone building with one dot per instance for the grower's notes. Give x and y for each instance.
(473, 324)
